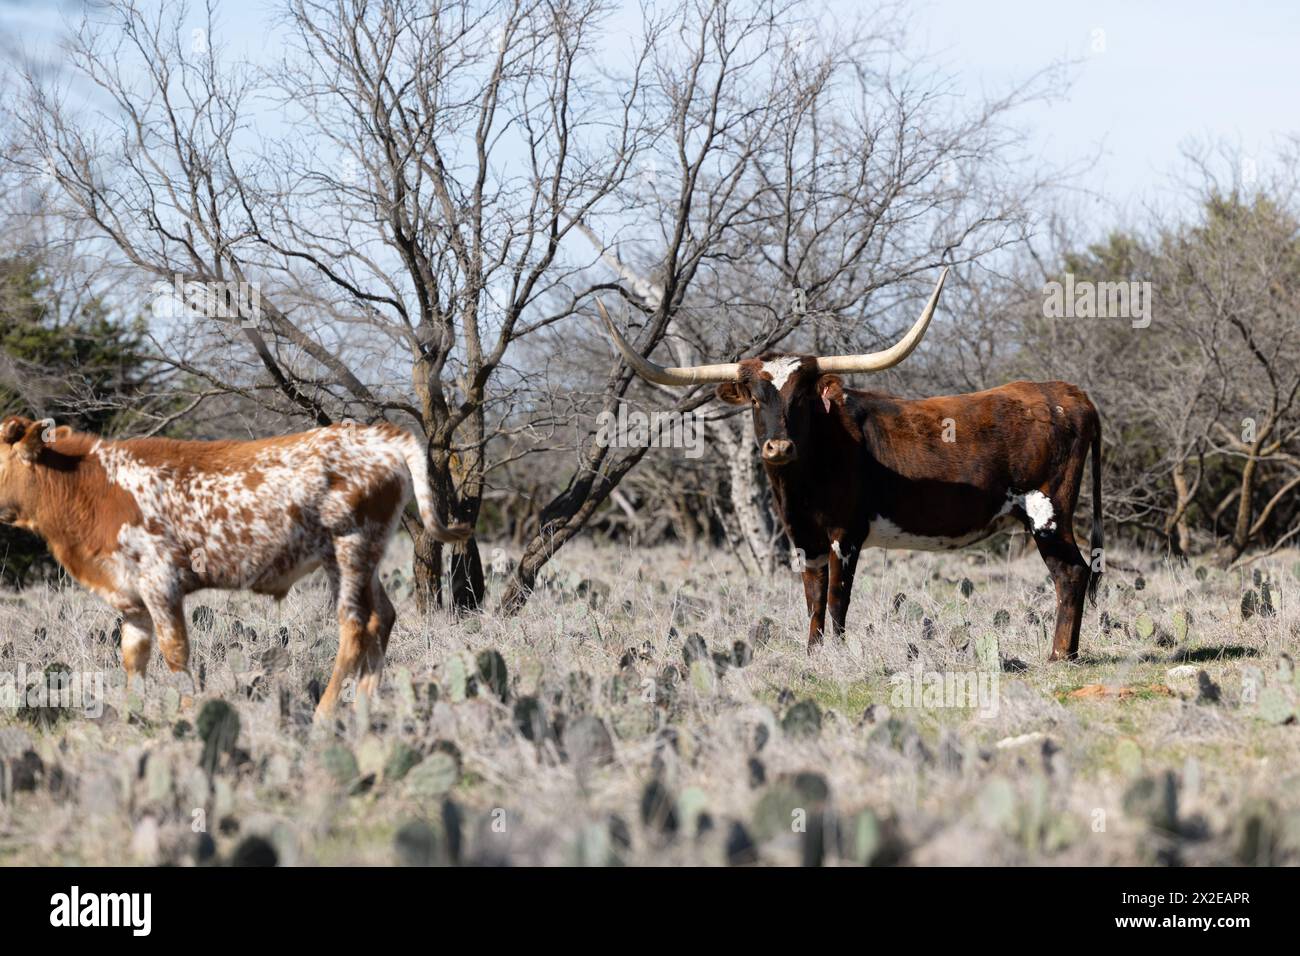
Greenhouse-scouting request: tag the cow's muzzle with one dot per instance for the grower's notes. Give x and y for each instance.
(778, 451)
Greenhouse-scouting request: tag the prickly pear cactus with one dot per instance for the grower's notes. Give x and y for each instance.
(986, 652)
(1182, 621)
(457, 678)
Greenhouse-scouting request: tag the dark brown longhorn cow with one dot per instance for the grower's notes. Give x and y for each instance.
(852, 468)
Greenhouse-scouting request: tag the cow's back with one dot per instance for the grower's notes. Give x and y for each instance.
(256, 514)
(1015, 430)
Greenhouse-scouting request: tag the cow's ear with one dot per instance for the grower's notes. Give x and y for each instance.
(830, 389)
(733, 393)
(12, 429)
(34, 441)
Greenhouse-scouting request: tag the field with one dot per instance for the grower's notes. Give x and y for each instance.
(658, 707)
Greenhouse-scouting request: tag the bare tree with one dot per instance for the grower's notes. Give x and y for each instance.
(437, 159)
(1240, 269)
(409, 217)
(798, 187)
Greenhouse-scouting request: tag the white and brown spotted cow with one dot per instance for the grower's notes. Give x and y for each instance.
(146, 521)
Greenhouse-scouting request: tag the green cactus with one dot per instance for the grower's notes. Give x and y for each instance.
(691, 803)
(803, 719)
(1128, 756)
(433, 776)
(405, 688)
(702, 677)
(1154, 800)
(863, 838)
(492, 673)
(402, 757)
(987, 652)
(218, 727)
(456, 678)
(633, 720)
(340, 763)
(1274, 707)
(1249, 605)
(1266, 608)
(996, 803)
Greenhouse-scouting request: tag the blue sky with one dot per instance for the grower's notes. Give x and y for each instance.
(1151, 77)
(1170, 73)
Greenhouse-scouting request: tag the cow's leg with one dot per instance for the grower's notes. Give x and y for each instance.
(1053, 531)
(353, 613)
(814, 592)
(387, 615)
(840, 584)
(331, 568)
(137, 640)
(1070, 575)
(173, 638)
(378, 629)
(165, 602)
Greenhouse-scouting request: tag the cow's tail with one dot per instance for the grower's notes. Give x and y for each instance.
(417, 463)
(1096, 545)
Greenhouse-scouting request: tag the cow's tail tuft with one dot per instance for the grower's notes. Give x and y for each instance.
(416, 458)
(1096, 545)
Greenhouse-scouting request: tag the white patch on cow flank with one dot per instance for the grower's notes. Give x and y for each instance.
(1037, 507)
(781, 369)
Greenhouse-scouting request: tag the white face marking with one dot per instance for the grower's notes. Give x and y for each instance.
(1038, 507)
(781, 369)
(835, 546)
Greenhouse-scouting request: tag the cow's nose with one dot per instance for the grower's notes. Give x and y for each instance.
(778, 451)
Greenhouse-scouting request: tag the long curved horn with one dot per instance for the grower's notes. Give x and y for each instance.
(694, 375)
(879, 361)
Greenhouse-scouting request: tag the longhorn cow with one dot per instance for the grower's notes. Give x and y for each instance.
(853, 468)
(144, 522)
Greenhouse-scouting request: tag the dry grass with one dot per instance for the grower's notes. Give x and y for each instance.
(1038, 777)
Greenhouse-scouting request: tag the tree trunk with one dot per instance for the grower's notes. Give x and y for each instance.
(1176, 530)
(747, 498)
(688, 529)
(562, 518)
(1245, 508)
(427, 571)
(467, 585)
